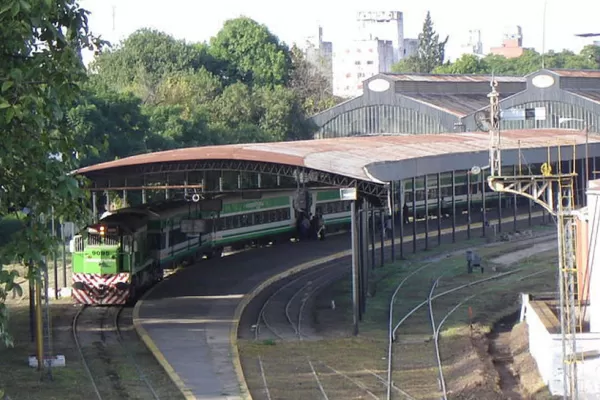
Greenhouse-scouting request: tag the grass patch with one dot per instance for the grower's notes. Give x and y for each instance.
(347, 366)
(383, 282)
(22, 382)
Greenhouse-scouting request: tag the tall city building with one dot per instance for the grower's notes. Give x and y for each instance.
(320, 54)
(357, 61)
(512, 43)
(473, 44)
(382, 25)
(411, 47)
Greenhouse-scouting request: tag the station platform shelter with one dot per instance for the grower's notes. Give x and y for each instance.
(428, 103)
(410, 176)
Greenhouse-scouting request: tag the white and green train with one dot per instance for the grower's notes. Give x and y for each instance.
(129, 249)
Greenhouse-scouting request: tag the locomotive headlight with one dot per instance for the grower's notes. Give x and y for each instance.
(102, 231)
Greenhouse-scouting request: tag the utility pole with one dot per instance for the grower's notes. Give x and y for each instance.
(553, 190)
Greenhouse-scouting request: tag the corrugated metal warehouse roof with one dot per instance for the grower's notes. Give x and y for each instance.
(374, 159)
(452, 78)
(577, 73)
(459, 104)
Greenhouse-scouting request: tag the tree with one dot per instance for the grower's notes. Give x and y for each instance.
(40, 73)
(430, 54)
(530, 61)
(466, 64)
(108, 125)
(253, 55)
(314, 90)
(190, 90)
(145, 58)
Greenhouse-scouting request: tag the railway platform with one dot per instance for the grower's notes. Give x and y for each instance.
(187, 320)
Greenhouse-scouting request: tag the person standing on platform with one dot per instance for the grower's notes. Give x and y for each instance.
(405, 213)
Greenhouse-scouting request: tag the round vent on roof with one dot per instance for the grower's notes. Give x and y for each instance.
(542, 81)
(379, 85)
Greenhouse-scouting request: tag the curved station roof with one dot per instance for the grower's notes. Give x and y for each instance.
(369, 161)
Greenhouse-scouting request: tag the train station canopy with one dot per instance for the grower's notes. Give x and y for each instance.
(368, 163)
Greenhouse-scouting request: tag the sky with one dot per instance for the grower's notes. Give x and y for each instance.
(196, 21)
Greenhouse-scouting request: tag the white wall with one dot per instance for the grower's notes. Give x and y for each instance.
(357, 61)
(593, 206)
(546, 349)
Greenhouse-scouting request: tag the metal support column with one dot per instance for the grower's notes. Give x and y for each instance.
(401, 208)
(483, 211)
(515, 205)
(143, 196)
(54, 260)
(426, 197)
(361, 260)
(468, 205)
(414, 215)
(95, 206)
(372, 236)
(64, 254)
(499, 212)
(583, 184)
(392, 197)
(453, 206)
(382, 234)
(365, 257)
(440, 203)
(529, 206)
(355, 268)
(124, 195)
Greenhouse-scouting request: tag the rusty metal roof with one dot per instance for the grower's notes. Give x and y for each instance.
(459, 104)
(354, 156)
(452, 78)
(577, 73)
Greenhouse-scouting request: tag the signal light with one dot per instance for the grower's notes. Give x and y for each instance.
(102, 230)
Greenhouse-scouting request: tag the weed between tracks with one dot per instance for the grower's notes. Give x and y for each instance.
(71, 382)
(469, 372)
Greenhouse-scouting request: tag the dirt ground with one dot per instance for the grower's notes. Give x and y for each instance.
(478, 362)
(70, 382)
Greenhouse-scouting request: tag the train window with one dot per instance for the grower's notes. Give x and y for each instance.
(259, 218)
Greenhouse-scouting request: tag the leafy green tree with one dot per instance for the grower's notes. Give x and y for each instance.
(40, 73)
(431, 52)
(108, 125)
(253, 54)
(190, 90)
(314, 90)
(530, 61)
(280, 114)
(145, 58)
(171, 127)
(466, 64)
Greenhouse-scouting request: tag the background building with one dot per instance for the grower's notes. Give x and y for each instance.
(382, 25)
(358, 61)
(512, 44)
(473, 44)
(320, 54)
(411, 47)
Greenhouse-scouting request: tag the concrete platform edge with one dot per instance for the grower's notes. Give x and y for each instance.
(237, 364)
(158, 355)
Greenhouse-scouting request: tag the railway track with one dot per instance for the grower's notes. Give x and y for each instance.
(284, 313)
(106, 356)
(517, 274)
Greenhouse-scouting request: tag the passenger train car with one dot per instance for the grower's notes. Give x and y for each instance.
(127, 251)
